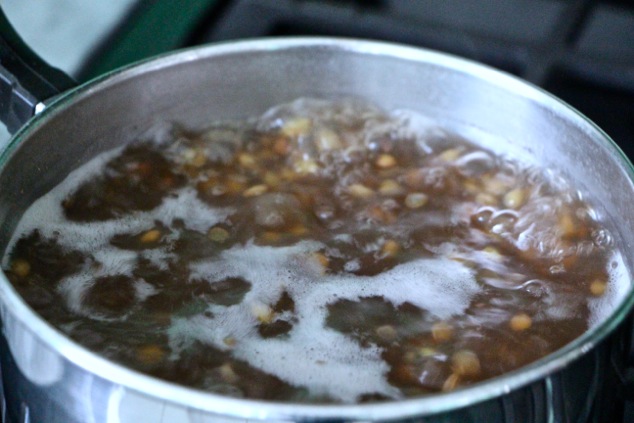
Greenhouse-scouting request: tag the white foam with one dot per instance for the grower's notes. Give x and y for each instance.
(73, 290)
(158, 257)
(352, 266)
(113, 261)
(143, 290)
(185, 205)
(326, 362)
(92, 239)
(313, 355)
(46, 212)
(95, 236)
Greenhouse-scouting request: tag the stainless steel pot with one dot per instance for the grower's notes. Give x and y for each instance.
(47, 377)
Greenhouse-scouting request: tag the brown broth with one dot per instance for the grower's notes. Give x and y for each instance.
(324, 252)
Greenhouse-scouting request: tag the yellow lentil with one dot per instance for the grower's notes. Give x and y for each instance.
(450, 155)
(21, 268)
(598, 287)
(218, 234)
(415, 200)
(262, 312)
(465, 363)
(520, 322)
(296, 127)
(255, 190)
(514, 199)
(451, 383)
(385, 161)
(360, 191)
(247, 160)
(228, 374)
(442, 331)
(150, 354)
(150, 236)
(390, 187)
(390, 248)
(386, 332)
(327, 139)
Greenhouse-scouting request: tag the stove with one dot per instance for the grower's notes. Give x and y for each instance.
(580, 50)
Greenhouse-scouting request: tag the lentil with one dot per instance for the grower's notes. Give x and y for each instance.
(385, 161)
(597, 288)
(150, 236)
(465, 363)
(415, 200)
(21, 268)
(218, 234)
(521, 322)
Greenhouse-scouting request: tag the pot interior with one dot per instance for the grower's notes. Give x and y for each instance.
(233, 81)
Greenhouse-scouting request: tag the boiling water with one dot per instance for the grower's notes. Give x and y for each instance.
(324, 252)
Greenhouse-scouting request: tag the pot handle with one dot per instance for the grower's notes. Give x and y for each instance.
(26, 80)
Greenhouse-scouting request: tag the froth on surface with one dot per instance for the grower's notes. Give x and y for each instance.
(315, 356)
(93, 239)
(489, 240)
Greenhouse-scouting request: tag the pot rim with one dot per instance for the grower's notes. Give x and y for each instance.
(258, 409)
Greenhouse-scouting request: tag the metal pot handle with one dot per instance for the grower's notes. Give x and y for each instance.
(26, 80)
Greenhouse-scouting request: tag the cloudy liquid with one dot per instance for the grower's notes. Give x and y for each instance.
(323, 252)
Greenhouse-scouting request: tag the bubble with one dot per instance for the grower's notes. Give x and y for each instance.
(602, 238)
(475, 164)
(441, 286)
(584, 249)
(276, 210)
(325, 212)
(503, 221)
(535, 288)
(482, 217)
